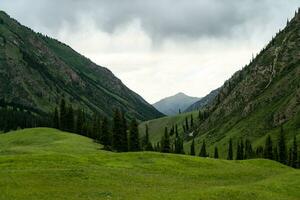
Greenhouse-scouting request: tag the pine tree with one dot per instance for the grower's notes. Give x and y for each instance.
(56, 119)
(105, 138)
(192, 121)
(80, 122)
(248, 150)
(147, 146)
(282, 154)
(192, 152)
(289, 159)
(216, 154)
(268, 150)
(134, 140)
(117, 132)
(275, 153)
(203, 152)
(123, 135)
(295, 153)
(165, 142)
(70, 119)
(242, 149)
(238, 152)
(63, 115)
(230, 150)
(187, 124)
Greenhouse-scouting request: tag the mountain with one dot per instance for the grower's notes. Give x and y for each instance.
(255, 102)
(205, 101)
(172, 105)
(37, 71)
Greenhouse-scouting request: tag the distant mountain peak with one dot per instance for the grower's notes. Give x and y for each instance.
(171, 105)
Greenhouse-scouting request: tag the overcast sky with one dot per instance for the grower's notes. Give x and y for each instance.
(160, 47)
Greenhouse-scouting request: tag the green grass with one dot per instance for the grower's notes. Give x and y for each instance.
(45, 163)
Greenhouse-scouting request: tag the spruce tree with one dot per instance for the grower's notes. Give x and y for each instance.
(230, 150)
(123, 135)
(105, 138)
(282, 154)
(275, 153)
(117, 143)
(56, 119)
(242, 149)
(165, 142)
(134, 140)
(248, 150)
(192, 121)
(80, 122)
(63, 115)
(268, 150)
(187, 124)
(147, 146)
(238, 152)
(203, 152)
(192, 152)
(216, 154)
(289, 159)
(295, 153)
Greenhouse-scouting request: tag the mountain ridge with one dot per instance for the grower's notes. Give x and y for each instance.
(39, 70)
(173, 104)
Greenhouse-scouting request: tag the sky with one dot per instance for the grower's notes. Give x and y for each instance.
(160, 47)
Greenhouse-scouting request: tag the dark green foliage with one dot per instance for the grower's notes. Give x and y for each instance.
(105, 137)
(282, 154)
(216, 153)
(203, 152)
(123, 135)
(275, 153)
(69, 126)
(147, 146)
(230, 150)
(192, 121)
(238, 152)
(178, 145)
(80, 121)
(134, 139)
(187, 124)
(165, 142)
(63, 115)
(294, 156)
(268, 150)
(259, 152)
(192, 151)
(117, 134)
(56, 119)
(248, 150)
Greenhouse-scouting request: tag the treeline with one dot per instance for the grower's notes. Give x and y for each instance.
(13, 118)
(278, 152)
(117, 135)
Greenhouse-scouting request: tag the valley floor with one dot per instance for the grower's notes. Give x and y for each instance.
(46, 164)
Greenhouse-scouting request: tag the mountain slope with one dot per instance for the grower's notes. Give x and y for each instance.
(36, 71)
(49, 164)
(205, 101)
(261, 97)
(172, 105)
(255, 102)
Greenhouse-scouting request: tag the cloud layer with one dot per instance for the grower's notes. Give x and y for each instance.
(159, 48)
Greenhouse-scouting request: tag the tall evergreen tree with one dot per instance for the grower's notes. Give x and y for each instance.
(70, 119)
(117, 143)
(230, 150)
(56, 119)
(187, 124)
(178, 144)
(203, 152)
(216, 154)
(63, 115)
(295, 153)
(282, 154)
(268, 150)
(165, 142)
(134, 140)
(123, 135)
(80, 122)
(192, 152)
(105, 138)
(248, 150)
(192, 121)
(147, 146)
(238, 152)
(275, 153)
(242, 149)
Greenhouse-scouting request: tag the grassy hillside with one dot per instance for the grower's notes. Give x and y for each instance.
(37, 71)
(157, 126)
(48, 164)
